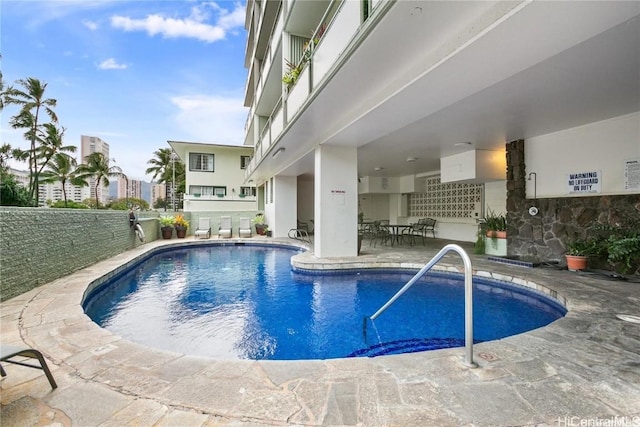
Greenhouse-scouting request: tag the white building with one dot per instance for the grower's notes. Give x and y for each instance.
(403, 109)
(52, 191)
(215, 177)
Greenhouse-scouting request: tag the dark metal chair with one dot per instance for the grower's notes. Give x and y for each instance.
(8, 352)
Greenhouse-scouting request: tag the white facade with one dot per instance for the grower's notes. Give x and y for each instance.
(52, 191)
(215, 177)
(422, 96)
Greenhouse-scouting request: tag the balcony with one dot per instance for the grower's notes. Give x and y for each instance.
(337, 29)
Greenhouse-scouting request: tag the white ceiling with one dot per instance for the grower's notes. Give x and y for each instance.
(418, 85)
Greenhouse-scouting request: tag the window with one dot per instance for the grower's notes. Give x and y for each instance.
(201, 162)
(248, 191)
(205, 190)
(244, 161)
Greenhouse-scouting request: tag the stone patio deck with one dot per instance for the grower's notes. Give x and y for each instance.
(582, 368)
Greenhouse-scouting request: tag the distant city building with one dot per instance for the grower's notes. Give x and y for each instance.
(158, 191)
(129, 189)
(52, 191)
(89, 145)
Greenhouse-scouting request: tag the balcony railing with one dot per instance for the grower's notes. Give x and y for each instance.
(322, 52)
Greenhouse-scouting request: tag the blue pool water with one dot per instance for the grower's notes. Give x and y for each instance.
(245, 302)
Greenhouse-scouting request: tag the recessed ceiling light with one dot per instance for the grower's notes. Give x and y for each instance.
(462, 144)
(416, 11)
(412, 159)
(378, 168)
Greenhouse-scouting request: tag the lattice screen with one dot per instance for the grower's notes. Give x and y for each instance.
(451, 200)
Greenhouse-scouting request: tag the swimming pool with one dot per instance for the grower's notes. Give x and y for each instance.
(245, 302)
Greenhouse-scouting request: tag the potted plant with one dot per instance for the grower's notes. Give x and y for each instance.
(267, 231)
(181, 224)
(259, 222)
(495, 225)
(166, 226)
(578, 251)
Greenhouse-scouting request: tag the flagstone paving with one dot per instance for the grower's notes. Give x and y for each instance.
(582, 368)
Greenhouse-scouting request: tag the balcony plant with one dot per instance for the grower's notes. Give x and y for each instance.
(291, 75)
(181, 224)
(166, 226)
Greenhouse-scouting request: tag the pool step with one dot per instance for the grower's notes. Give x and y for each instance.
(411, 345)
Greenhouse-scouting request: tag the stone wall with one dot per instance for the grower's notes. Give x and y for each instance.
(39, 245)
(543, 237)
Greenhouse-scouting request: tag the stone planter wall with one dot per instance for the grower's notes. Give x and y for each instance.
(543, 237)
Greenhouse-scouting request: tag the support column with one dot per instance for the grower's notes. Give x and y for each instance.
(336, 202)
(282, 212)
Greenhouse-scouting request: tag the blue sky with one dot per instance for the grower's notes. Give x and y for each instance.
(134, 73)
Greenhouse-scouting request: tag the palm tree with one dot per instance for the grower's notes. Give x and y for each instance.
(50, 139)
(97, 166)
(32, 101)
(62, 168)
(162, 166)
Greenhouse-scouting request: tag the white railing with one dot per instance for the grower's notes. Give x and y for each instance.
(468, 296)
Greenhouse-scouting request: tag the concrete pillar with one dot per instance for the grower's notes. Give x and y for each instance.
(336, 202)
(282, 213)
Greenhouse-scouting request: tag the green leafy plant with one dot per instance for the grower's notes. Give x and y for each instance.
(494, 221)
(167, 220)
(258, 219)
(293, 72)
(581, 247)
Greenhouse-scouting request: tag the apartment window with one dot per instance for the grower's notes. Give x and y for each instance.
(201, 162)
(248, 191)
(244, 161)
(207, 190)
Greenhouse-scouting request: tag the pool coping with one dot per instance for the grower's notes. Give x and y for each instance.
(432, 387)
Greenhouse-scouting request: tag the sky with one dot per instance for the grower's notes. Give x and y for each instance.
(134, 73)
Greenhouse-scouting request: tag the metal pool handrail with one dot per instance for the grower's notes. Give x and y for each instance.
(468, 296)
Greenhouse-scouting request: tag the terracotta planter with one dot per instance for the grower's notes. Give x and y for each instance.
(181, 232)
(167, 232)
(261, 229)
(497, 234)
(576, 262)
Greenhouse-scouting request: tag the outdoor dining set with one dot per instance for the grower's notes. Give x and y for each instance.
(382, 232)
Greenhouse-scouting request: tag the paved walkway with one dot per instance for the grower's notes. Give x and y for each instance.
(583, 368)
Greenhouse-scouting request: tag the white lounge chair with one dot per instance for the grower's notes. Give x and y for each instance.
(204, 228)
(244, 230)
(225, 227)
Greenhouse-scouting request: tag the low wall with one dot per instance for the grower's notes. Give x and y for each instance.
(39, 245)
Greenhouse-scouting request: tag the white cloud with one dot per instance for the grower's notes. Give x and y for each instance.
(193, 26)
(213, 119)
(111, 64)
(90, 24)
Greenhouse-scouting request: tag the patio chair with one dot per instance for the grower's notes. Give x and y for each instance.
(244, 230)
(417, 229)
(204, 228)
(225, 227)
(381, 234)
(8, 352)
(430, 226)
